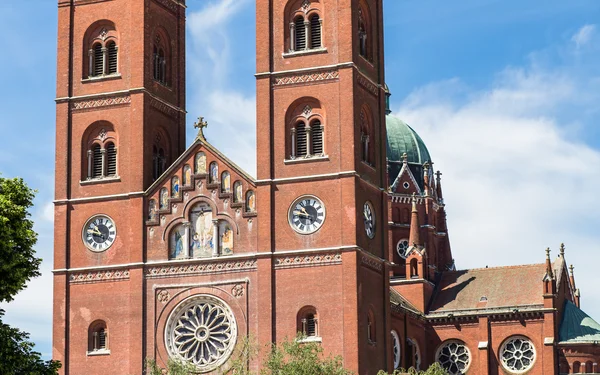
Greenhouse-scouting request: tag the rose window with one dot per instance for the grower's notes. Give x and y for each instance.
(517, 354)
(396, 349)
(402, 248)
(201, 330)
(454, 357)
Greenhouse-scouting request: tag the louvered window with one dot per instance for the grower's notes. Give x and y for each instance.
(112, 57)
(98, 60)
(111, 160)
(315, 32)
(317, 138)
(301, 140)
(96, 161)
(311, 325)
(102, 339)
(300, 31)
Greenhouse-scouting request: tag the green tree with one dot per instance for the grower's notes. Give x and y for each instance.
(435, 369)
(18, 265)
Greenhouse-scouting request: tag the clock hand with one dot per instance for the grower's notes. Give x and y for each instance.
(305, 214)
(96, 231)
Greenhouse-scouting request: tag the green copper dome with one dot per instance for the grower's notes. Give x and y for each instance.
(401, 139)
(577, 326)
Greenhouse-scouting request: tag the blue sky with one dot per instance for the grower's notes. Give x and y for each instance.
(505, 94)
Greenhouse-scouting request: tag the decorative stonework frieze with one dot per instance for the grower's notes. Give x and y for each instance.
(296, 261)
(405, 199)
(371, 262)
(101, 102)
(98, 276)
(201, 269)
(166, 109)
(306, 78)
(367, 84)
(238, 291)
(163, 296)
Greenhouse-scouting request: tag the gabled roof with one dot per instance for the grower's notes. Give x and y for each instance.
(399, 301)
(577, 327)
(487, 288)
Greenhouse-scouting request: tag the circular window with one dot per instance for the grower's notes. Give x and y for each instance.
(402, 248)
(517, 354)
(201, 330)
(396, 349)
(454, 357)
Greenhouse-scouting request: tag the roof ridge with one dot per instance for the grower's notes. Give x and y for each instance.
(499, 267)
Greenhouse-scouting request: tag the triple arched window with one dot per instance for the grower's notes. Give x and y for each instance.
(306, 28)
(103, 50)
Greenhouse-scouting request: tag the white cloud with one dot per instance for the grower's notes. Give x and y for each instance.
(518, 176)
(583, 35)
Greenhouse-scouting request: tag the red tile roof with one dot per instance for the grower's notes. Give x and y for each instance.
(501, 286)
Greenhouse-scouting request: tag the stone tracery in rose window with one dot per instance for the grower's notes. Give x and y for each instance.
(518, 355)
(454, 357)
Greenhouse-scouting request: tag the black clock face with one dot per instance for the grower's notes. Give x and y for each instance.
(99, 233)
(369, 216)
(307, 215)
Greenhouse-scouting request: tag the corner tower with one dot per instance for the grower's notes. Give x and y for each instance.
(322, 168)
(120, 123)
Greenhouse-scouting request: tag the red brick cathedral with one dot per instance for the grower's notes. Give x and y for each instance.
(166, 252)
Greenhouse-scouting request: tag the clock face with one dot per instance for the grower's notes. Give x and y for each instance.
(99, 233)
(369, 216)
(307, 215)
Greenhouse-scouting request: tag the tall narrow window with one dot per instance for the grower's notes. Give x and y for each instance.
(317, 138)
(96, 161)
(159, 161)
(160, 65)
(363, 34)
(315, 31)
(97, 60)
(301, 144)
(310, 325)
(300, 34)
(112, 57)
(111, 160)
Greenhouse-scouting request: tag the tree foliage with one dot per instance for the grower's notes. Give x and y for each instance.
(18, 263)
(435, 369)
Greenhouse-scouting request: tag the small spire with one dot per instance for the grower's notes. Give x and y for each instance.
(405, 158)
(571, 268)
(548, 264)
(562, 250)
(572, 276)
(201, 124)
(426, 177)
(415, 237)
(438, 185)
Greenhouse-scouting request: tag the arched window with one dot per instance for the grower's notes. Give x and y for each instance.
(213, 177)
(366, 136)
(238, 192)
(159, 161)
(175, 187)
(96, 162)
(308, 324)
(315, 31)
(112, 57)
(97, 337)
(301, 140)
(316, 137)
(250, 201)
(414, 354)
(160, 63)
(97, 60)
(589, 367)
(111, 160)
(414, 270)
(299, 34)
(371, 337)
(576, 368)
(225, 182)
(187, 175)
(363, 33)
(152, 210)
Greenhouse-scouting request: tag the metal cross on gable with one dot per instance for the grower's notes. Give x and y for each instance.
(201, 124)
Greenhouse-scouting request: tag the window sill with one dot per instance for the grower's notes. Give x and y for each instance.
(368, 164)
(102, 78)
(308, 339)
(366, 59)
(305, 159)
(105, 180)
(95, 353)
(305, 52)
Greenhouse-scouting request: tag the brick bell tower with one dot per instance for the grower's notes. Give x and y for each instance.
(321, 143)
(120, 121)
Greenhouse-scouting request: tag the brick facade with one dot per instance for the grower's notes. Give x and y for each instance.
(194, 230)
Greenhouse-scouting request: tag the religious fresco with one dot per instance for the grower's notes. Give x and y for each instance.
(178, 243)
(164, 198)
(200, 163)
(202, 231)
(226, 182)
(187, 175)
(175, 187)
(238, 192)
(214, 173)
(250, 201)
(226, 234)
(152, 211)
